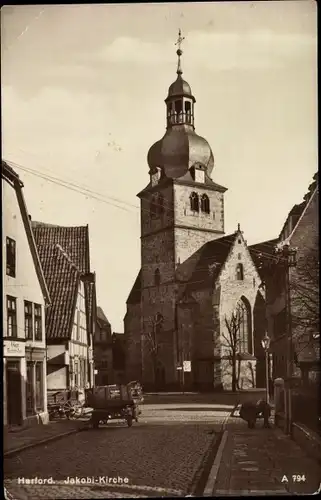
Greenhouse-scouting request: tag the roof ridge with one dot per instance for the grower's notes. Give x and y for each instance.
(39, 224)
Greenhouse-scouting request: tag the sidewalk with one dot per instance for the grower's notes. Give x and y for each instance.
(20, 439)
(254, 462)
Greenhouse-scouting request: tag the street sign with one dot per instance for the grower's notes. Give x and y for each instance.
(179, 368)
(187, 365)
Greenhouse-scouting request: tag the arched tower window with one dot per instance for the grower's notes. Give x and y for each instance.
(157, 277)
(188, 112)
(239, 272)
(244, 321)
(153, 207)
(194, 202)
(205, 204)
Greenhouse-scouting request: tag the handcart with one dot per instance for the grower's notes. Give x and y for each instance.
(111, 402)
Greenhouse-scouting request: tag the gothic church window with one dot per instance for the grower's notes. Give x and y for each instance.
(239, 272)
(157, 277)
(194, 202)
(205, 204)
(244, 318)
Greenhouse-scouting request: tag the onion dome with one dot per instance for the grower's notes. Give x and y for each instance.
(181, 147)
(179, 88)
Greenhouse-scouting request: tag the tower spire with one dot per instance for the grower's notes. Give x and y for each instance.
(179, 52)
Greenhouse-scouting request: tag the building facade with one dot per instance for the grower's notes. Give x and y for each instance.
(25, 299)
(299, 296)
(178, 306)
(70, 322)
(103, 352)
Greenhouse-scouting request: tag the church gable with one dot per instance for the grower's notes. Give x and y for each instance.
(239, 270)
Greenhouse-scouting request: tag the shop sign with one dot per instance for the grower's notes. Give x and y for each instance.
(14, 348)
(187, 366)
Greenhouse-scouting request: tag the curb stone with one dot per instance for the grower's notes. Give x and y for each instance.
(10, 453)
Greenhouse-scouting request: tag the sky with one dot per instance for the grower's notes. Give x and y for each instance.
(83, 89)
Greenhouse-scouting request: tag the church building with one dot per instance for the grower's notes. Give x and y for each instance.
(195, 283)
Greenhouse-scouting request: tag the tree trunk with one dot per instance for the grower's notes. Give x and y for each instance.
(238, 374)
(234, 384)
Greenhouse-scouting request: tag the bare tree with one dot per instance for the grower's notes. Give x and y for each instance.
(305, 292)
(232, 345)
(152, 342)
(304, 286)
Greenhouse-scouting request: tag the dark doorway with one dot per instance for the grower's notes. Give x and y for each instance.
(14, 406)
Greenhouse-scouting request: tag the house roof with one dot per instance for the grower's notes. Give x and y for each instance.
(9, 175)
(265, 248)
(74, 241)
(135, 293)
(298, 211)
(62, 277)
(101, 318)
(212, 257)
(64, 255)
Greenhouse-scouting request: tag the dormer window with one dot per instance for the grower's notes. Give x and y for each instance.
(155, 175)
(198, 173)
(239, 272)
(205, 204)
(194, 202)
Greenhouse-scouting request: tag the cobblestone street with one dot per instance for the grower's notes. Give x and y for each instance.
(162, 455)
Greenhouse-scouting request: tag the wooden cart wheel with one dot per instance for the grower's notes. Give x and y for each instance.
(67, 409)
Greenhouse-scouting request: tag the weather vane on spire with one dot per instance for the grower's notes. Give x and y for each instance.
(179, 52)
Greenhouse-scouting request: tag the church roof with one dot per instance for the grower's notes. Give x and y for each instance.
(212, 257)
(135, 294)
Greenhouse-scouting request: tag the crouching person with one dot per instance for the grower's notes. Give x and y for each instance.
(250, 411)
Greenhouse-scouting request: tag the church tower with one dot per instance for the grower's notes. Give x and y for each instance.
(182, 208)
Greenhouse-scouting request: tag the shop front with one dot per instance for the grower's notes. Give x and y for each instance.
(36, 394)
(14, 371)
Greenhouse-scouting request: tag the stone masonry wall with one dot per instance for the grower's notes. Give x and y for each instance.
(232, 290)
(132, 330)
(149, 224)
(198, 224)
(158, 253)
